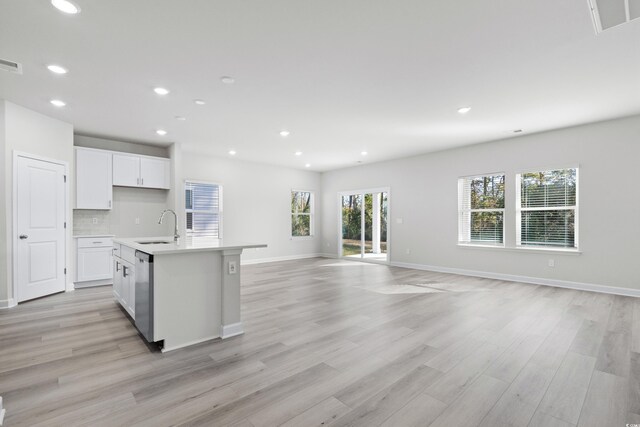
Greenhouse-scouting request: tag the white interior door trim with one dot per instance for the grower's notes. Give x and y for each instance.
(386, 190)
(14, 230)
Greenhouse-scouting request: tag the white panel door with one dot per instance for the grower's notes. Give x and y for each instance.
(126, 170)
(154, 173)
(40, 228)
(94, 184)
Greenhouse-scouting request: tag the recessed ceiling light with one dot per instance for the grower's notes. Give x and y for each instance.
(199, 102)
(464, 110)
(66, 6)
(232, 152)
(57, 69)
(161, 132)
(284, 133)
(228, 80)
(58, 103)
(308, 165)
(181, 118)
(161, 91)
(364, 153)
(298, 153)
(517, 131)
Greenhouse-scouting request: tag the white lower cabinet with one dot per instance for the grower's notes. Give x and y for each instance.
(124, 282)
(94, 261)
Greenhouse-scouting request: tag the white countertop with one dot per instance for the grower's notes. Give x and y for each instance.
(185, 245)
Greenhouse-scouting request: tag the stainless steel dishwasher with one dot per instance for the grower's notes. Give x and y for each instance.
(144, 294)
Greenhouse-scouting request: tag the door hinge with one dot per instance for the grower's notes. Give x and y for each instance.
(65, 271)
(65, 224)
(65, 178)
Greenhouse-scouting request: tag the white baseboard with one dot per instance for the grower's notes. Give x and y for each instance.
(8, 303)
(228, 331)
(325, 255)
(187, 344)
(281, 258)
(591, 287)
(92, 283)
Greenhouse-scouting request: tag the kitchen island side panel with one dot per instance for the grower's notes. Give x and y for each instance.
(187, 298)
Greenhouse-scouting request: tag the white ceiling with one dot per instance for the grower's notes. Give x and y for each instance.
(343, 76)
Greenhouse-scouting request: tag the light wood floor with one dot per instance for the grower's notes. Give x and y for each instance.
(340, 343)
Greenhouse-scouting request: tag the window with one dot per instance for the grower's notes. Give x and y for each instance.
(481, 210)
(301, 213)
(547, 203)
(203, 209)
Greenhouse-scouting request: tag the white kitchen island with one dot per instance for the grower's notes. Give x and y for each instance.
(187, 294)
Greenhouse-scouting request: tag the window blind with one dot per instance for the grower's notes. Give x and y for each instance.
(202, 205)
(547, 208)
(481, 210)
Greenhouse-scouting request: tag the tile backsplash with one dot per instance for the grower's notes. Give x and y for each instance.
(83, 222)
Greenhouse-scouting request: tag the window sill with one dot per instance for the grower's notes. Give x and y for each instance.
(522, 249)
(301, 237)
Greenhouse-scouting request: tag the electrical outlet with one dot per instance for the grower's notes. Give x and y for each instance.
(408, 251)
(552, 263)
(95, 220)
(233, 267)
(137, 221)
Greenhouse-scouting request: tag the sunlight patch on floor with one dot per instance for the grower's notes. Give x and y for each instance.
(420, 288)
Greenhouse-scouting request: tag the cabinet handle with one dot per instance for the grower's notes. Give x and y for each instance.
(109, 203)
(117, 266)
(97, 243)
(124, 271)
(142, 181)
(138, 181)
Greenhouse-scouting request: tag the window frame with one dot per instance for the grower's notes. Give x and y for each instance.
(220, 211)
(462, 211)
(519, 209)
(311, 215)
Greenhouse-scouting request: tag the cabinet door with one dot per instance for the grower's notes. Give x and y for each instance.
(126, 170)
(131, 305)
(94, 264)
(93, 179)
(126, 275)
(117, 279)
(154, 173)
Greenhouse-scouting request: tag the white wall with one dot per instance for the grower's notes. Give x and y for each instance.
(424, 195)
(5, 277)
(256, 203)
(33, 133)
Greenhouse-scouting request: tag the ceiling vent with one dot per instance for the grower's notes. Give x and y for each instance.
(611, 13)
(13, 67)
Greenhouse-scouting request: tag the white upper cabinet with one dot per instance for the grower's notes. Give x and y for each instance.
(126, 170)
(130, 170)
(155, 172)
(93, 179)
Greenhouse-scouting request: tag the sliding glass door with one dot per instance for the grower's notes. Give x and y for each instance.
(364, 225)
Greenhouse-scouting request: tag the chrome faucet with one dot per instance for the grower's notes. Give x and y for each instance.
(176, 236)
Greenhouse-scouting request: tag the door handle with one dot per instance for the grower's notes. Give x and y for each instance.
(23, 236)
